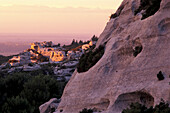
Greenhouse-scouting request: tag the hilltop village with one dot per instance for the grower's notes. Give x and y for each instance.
(63, 59)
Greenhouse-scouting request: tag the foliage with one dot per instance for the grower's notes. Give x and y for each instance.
(162, 108)
(94, 38)
(138, 108)
(47, 69)
(4, 59)
(27, 91)
(150, 7)
(75, 44)
(17, 105)
(89, 59)
(85, 110)
(118, 12)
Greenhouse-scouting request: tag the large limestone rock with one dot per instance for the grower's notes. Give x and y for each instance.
(48, 106)
(122, 76)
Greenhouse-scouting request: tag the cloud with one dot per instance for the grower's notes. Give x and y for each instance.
(46, 9)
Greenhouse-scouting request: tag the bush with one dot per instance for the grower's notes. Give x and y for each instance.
(47, 70)
(162, 108)
(26, 91)
(85, 110)
(17, 105)
(118, 12)
(138, 108)
(89, 59)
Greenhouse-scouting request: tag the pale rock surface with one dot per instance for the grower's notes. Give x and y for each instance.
(119, 78)
(46, 107)
(31, 68)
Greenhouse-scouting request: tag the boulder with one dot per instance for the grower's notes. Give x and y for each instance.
(31, 68)
(52, 104)
(136, 50)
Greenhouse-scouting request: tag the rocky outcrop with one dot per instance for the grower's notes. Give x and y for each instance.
(136, 49)
(49, 106)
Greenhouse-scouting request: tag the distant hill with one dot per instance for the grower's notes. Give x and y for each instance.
(4, 59)
(12, 48)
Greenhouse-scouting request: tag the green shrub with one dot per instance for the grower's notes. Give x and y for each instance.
(89, 59)
(27, 91)
(47, 70)
(138, 108)
(17, 105)
(94, 38)
(162, 108)
(85, 110)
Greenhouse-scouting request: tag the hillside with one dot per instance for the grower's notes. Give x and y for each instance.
(137, 42)
(4, 59)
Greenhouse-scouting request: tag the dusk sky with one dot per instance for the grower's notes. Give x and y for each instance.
(55, 16)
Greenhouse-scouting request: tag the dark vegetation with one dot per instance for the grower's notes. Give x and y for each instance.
(4, 59)
(139, 108)
(85, 110)
(137, 50)
(150, 7)
(160, 76)
(42, 58)
(25, 92)
(77, 44)
(89, 59)
(118, 12)
(73, 44)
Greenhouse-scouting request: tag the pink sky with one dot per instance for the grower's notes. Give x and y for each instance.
(54, 16)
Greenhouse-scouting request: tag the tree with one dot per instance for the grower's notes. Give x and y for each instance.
(80, 42)
(27, 90)
(17, 105)
(85, 110)
(94, 38)
(139, 108)
(36, 91)
(89, 59)
(73, 42)
(58, 44)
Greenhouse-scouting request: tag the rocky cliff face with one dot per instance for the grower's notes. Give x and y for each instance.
(136, 49)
